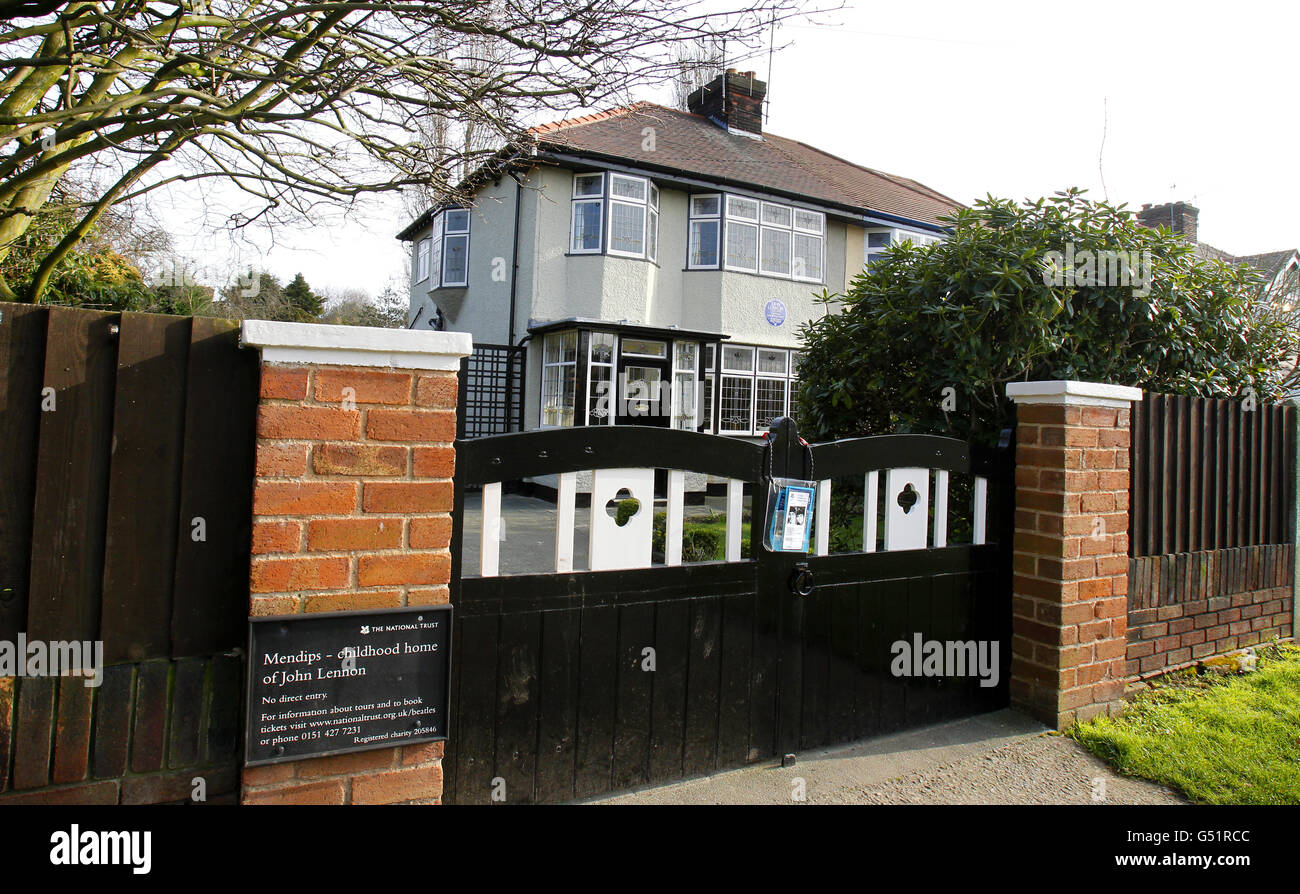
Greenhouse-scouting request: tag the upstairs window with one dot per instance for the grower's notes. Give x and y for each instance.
(751, 236)
(742, 235)
(422, 260)
(880, 238)
(704, 233)
(614, 213)
(455, 247)
(443, 258)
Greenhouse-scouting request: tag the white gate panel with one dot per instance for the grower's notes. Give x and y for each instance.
(610, 546)
(906, 528)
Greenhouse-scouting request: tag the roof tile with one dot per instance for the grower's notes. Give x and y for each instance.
(697, 146)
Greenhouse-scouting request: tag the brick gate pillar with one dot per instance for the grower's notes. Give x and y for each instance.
(1070, 564)
(352, 510)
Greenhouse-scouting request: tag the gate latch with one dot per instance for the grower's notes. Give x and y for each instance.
(802, 581)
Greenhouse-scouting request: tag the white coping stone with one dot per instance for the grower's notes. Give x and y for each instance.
(1071, 393)
(356, 345)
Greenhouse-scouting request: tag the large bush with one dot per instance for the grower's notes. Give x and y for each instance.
(984, 308)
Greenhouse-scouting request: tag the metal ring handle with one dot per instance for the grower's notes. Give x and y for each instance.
(802, 581)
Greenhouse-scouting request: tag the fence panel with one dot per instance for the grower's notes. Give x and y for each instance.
(22, 357)
(126, 473)
(1209, 474)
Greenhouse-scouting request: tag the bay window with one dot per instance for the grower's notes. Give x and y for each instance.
(736, 391)
(742, 235)
(809, 245)
(455, 247)
(559, 378)
(422, 260)
(614, 213)
(755, 385)
(685, 361)
(706, 386)
(705, 230)
(731, 232)
(443, 258)
(600, 379)
(776, 240)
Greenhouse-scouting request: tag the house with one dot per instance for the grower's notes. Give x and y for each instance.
(652, 266)
(1278, 271)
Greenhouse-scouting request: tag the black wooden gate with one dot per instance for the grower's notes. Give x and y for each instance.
(551, 696)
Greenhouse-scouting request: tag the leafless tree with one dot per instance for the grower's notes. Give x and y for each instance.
(697, 63)
(301, 103)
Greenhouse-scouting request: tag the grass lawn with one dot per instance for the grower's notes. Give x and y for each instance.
(1219, 740)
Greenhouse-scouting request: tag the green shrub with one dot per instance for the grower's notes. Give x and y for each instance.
(703, 540)
(626, 509)
(983, 309)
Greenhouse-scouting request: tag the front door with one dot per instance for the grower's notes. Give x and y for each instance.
(644, 383)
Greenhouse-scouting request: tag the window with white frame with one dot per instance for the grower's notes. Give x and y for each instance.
(796, 360)
(704, 233)
(559, 378)
(617, 214)
(808, 246)
(685, 375)
(736, 391)
(588, 212)
(706, 387)
(444, 257)
(752, 236)
(880, 238)
(742, 235)
(754, 387)
(422, 260)
(455, 247)
(600, 378)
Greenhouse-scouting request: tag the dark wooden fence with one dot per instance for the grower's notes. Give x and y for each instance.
(1209, 474)
(126, 471)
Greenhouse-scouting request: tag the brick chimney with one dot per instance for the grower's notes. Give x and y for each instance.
(1177, 216)
(734, 100)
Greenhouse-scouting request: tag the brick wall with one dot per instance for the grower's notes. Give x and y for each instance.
(1070, 553)
(351, 510)
(1187, 606)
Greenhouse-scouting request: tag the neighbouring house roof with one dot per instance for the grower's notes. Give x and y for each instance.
(687, 144)
(1269, 263)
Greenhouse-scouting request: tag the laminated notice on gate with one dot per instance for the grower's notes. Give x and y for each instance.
(789, 527)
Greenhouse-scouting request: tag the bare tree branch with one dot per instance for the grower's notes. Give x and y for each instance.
(302, 102)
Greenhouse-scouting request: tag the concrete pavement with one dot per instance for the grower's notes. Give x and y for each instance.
(998, 758)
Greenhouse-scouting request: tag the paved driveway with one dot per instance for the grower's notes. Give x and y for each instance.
(999, 758)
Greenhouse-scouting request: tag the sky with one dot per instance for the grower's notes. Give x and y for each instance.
(1138, 101)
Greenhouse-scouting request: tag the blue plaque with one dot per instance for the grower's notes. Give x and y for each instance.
(775, 312)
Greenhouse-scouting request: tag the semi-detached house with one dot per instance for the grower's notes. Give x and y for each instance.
(651, 266)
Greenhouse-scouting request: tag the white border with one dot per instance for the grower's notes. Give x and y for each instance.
(1072, 393)
(355, 345)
